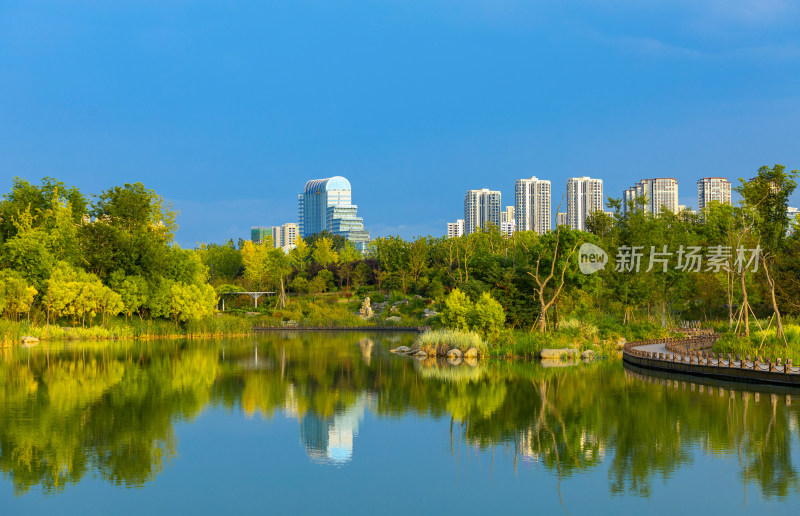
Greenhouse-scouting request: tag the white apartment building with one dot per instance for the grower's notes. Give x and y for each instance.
(455, 229)
(507, 215)
(532, 205)
(481, 207)
(561, 219)
(712, 189)
(659, 193)
(284, 236)
(508, 228)
(584, 195)
(289, 234)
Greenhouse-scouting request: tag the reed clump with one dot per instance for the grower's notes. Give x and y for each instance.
(433, 342)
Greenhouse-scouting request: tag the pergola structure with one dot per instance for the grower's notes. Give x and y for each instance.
(254, 295)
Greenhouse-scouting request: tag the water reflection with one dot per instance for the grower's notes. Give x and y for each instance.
(110, 410)
(330, 440)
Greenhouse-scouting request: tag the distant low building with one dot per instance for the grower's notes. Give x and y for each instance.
(561, 219)
(259, 233)
(508, 228)
(455, 229)
(658, 193)
(283, 236)
(508, 215)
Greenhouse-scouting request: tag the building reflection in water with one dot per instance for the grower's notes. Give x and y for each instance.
(329, 440)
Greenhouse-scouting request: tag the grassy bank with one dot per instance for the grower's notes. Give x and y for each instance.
(762, 341)
(12, 332)
(332, 310)
(603, 335)
(600, 334)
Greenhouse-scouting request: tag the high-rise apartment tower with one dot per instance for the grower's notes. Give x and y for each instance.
(584, 195)
(658, 193)
(712, 189)
(481, 207)
(532, 205)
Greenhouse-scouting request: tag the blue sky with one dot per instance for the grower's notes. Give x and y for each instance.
(227, 108)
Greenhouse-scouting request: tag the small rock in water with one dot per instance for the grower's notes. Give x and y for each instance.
(588, 354)
(421, 354)
(401, 349)
(471, 353)
(454, 353)
(28, 340)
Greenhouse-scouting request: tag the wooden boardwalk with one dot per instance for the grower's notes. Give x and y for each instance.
(690, 356)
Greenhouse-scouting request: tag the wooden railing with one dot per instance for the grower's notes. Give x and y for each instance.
(693, 351)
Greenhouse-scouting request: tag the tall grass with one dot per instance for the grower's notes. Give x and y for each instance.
(435, 341)
(600, 333)
(764, 343)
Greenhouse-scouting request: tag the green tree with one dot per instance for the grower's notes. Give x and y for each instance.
(299, 284)
(457, 310)
(191, 302)
(487, 316)
(324, 253)
(133, 292)
(767, 198)
(299, 255)
(16, 295)
(131, 229)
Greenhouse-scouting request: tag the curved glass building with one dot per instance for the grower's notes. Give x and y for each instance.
(326, 205)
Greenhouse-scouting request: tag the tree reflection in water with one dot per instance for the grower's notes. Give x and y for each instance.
(110, 409)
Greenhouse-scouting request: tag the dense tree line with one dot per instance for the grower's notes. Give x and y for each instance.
(663, 267)
(65, 256)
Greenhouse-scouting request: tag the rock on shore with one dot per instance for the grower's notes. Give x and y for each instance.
(557, 353)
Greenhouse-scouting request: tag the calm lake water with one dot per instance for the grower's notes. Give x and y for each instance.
(333, 423)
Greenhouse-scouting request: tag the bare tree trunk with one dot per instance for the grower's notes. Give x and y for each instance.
(542, 284)
(771, 283)
(745, 305)
(282, 297)
(729, 292)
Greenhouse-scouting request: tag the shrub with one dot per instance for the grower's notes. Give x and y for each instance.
(487, 316)
(457, 311)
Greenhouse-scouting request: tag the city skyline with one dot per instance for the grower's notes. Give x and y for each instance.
(224, 118)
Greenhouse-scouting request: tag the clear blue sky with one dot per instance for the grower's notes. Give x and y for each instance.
(227, 108)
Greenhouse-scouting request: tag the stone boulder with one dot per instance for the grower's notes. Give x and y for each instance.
(401, 350)
(557, 353)
(471, 353)
(454, 353)
(28, 340)
(588, 354)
